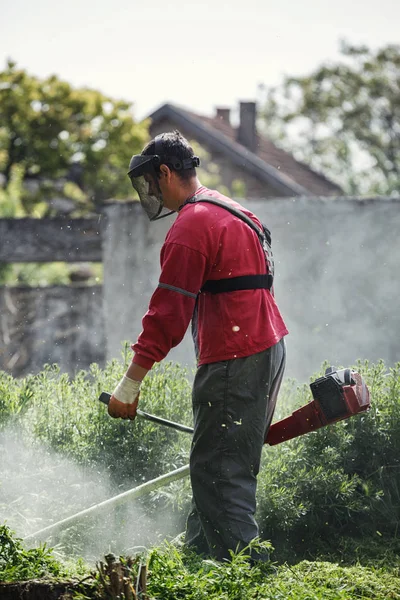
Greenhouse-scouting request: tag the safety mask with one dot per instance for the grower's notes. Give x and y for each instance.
(143, 171)
(143, 176)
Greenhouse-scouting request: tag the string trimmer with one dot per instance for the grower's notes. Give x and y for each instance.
(338, 395)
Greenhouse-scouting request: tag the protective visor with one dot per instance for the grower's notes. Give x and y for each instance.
(143, 176)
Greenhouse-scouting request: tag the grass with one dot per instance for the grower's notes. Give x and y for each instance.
(172, 576)
(19, 564)
(175, 574)
(64, 415)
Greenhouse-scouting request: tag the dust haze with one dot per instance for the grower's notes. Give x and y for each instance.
(39, 488)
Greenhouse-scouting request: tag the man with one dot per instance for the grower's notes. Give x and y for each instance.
(216, 273)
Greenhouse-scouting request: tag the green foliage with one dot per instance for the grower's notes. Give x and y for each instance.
(93, 457)
(11, 196)
(17, 563)
(175, 574)
(341, 482)
(73, 144)
(47, 274)
(343, 119)
(332, 493)
(65, 415)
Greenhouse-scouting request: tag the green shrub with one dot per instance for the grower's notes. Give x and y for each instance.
(340, 482)
(64, 414)
(334, 492)
(17, 563)
(70, 455)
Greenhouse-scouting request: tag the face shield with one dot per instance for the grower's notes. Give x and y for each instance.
(143, 171)
(143, 175)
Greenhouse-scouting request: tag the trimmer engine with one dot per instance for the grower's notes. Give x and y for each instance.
(338, 395)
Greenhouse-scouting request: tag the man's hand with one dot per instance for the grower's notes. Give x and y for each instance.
(124, 399)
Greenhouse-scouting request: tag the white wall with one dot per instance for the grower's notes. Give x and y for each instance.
(337, 277)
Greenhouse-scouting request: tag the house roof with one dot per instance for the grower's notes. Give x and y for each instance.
(276, 167)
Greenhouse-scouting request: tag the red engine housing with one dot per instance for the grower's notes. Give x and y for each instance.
(338, 395)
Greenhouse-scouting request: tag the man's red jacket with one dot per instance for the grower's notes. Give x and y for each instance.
(208, 242)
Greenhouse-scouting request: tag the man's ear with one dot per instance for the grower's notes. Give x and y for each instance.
(165, 172)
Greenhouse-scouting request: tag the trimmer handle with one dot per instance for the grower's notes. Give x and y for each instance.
(105, 398)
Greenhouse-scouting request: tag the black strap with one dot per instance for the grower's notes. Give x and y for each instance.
(244, 282)
(234, 284)
(234, 211)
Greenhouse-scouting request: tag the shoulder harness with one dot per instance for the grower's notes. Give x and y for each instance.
(243, 282)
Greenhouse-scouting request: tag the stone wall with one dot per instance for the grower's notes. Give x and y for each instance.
(62, 324)
(337, 284)
(131, 249)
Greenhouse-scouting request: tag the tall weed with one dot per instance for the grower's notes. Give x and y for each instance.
(334, 489)
(65, 415)
(340, 482)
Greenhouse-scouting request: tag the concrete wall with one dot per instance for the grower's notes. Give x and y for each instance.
(337, 277)
(338, 281)
(337, 284)
(131, 249)
(46, 325)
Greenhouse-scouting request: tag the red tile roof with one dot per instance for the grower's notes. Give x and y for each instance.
(269, 163)
(285, 162)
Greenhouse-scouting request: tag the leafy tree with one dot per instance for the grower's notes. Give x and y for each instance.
(73, 145)
(344, 119)
(14, 204)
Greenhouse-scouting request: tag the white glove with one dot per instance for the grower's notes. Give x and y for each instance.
(124, 399)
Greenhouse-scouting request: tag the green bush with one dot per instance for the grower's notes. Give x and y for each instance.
(64, 414)
(334, 492)
(17, 563)
(339, 483)
(71, 455)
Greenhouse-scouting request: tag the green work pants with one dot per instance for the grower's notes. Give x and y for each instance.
(233, 406)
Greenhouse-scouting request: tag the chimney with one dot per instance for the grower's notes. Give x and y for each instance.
(224, 114)
(247, 134)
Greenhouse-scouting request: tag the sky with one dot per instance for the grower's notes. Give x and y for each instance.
(196, 54)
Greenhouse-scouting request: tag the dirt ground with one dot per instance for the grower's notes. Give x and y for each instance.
(37, 590)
